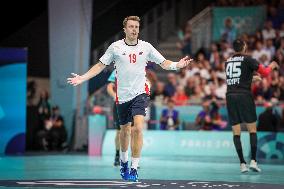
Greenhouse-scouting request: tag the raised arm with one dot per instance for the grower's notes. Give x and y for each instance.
(265, 71)
(170, 65)
(78, 79)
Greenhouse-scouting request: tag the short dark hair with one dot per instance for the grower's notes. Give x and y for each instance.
(134, 18)
(238, 45)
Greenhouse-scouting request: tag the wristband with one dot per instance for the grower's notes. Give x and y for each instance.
(173, 66)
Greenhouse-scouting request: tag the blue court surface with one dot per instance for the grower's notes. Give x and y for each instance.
(83, 171)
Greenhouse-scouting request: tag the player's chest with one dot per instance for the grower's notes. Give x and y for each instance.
(131, 55)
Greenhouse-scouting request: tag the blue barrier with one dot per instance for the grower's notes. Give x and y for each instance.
(187, 114)
(201, 143)
(12, 108)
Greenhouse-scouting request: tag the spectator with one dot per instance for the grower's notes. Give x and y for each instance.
(203, 119)
(180, 97)
(53, 135)
(270, 47)
(264, 91)
(258, 35)
(204, 65)
(281, 31)
(217, 122)
(280, 59)
(189, 88)
(272, 17)
(184, 43)
(280, 49)
(57, 133)
(43, 108)
(209, 118)
(158, 95)
(260, 54)
(229, 32)
(211, 93)
(221, 89)
(170, 117)
(226, 50)
(197, 95)
(31, 92)
(182, 77)
(251, 42)
(268, 32)
(214, 57)
(44, 113)
(274, 84)
(170, 87)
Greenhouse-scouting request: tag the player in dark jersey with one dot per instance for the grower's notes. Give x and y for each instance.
(240, 70)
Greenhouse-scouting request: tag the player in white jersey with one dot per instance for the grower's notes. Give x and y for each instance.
(130, 56)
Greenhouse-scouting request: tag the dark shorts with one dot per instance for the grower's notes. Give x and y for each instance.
(241, 108)
(136, 106)
(115, 117)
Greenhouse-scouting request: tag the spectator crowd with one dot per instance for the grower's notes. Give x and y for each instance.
(205, 79)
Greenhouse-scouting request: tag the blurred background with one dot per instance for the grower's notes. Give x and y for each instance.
(48, 40)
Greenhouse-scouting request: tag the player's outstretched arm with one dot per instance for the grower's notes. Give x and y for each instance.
(265, 71)
(170, 65)
(273, 65)
(78, 79)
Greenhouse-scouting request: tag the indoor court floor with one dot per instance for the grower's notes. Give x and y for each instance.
(83, 171)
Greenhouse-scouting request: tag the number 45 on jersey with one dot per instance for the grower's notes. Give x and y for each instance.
(233, 72)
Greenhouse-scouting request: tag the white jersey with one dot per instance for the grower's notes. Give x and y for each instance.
(130, 63)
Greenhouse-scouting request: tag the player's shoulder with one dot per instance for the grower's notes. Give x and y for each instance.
(237, 57)
(144, 43)
(249, 58)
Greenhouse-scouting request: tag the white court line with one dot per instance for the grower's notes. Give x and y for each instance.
(91, 181)
(72, 184)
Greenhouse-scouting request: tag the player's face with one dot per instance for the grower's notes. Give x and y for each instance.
(131, 30)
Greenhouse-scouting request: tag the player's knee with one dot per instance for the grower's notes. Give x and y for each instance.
(137, 130)
(252, 129)
(117, 133)
(237, 132)
(125, 130)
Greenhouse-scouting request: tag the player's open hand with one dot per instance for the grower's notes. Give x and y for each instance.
(184, 62)
(274, 65)
(75, 80)
(256, 78)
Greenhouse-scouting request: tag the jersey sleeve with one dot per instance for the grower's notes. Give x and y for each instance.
(111, 78)
(253, 63)
(155, 56)
(108, 57)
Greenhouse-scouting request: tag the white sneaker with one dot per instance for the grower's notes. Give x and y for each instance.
(244, 168)
(253, 166)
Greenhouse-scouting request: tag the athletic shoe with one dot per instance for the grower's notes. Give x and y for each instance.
(133, 176)
(244, 168)
(116, 161)
(124, 171)
(253, 166)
